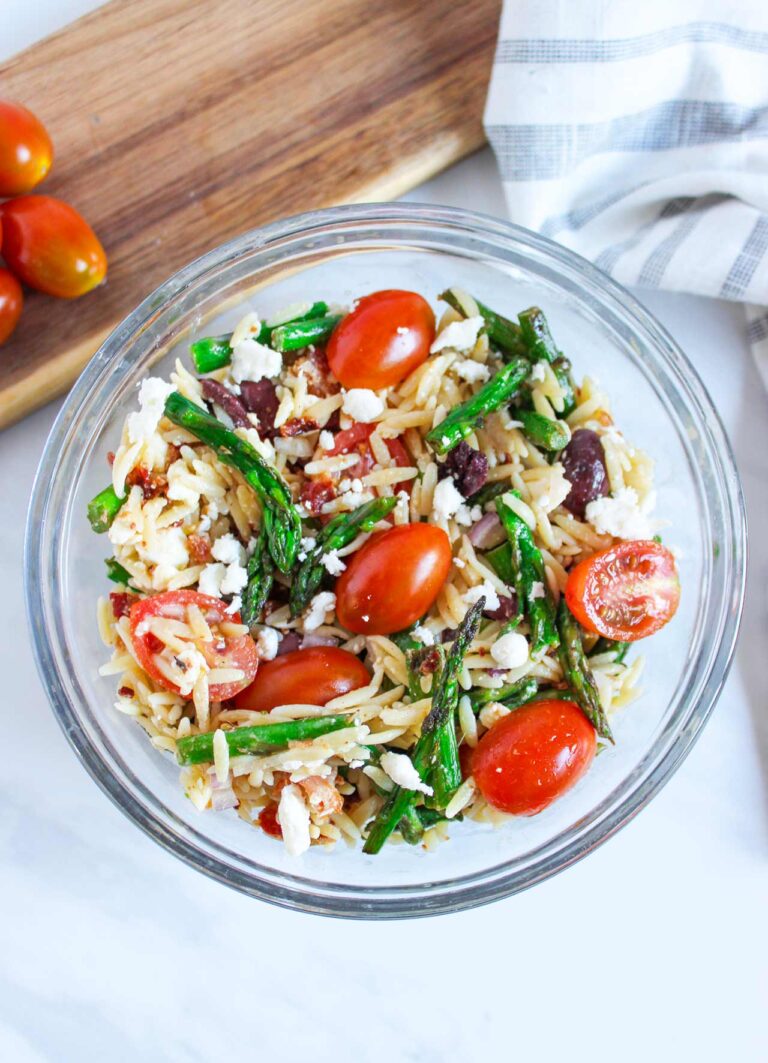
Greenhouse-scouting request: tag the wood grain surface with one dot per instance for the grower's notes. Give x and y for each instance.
(179, 123)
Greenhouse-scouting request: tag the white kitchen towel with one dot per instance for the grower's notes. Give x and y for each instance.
(637, 134)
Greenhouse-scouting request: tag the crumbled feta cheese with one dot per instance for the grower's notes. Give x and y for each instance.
(167, 547)
(251, 360)
(621, 516)
(326, 440)
(471, 371)
(491, 713)
(143, 422)
(228, 549)
(235, 579)
(466, 516)
(511, 650)
(333, 563)
(484, 590)
(235, 605)
(210, 579)
(538, 590)
(321, 604)
(293, 815)
(399, 767)
(446, 499)
(191, 664)
(362, 404)
(538, 372)
(423, 635)
(267, 641)
(459, 335)
(247, 328)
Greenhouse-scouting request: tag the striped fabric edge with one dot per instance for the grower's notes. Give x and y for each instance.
(757, 334)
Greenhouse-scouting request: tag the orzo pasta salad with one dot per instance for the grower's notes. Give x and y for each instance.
(374, 574)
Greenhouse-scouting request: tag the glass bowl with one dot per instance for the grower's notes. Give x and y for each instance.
(338, 254)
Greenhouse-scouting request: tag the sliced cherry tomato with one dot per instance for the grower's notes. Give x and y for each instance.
(26, 151)
(625, 592)
(11, 300)
(393, 579)
(356, 438)
(223, 652)
(304, 677)
(382, 340)
(531, 757)
(268, 821)
(49, 246)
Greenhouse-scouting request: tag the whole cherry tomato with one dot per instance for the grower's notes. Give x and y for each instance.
(382, 340)
(393, 579)
(26, 151)
(223, 652)
(11, 300)
(626, 592)
(304, 677)
(531, 757)
(49, 246)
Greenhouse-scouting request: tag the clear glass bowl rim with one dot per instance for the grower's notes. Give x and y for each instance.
(425, 899)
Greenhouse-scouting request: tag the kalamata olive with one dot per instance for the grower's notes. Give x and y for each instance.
(584, 467)
(467, 466)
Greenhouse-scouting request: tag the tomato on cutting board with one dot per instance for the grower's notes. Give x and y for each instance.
(393, 579)
(11, 300)
(382, 340)
(51, 247)
(26, 151)
(626, 592)
(304, 677)
(222, 652)
(531, 757)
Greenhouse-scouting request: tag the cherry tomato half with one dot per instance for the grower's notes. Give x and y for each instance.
(393, 579)
(531, 757)
(49, 246)
(269, 822)
(304, 677)
(625, 592)
(382, 340)
(356, 439)
(223, 652)
(11, 300)
(26, 151)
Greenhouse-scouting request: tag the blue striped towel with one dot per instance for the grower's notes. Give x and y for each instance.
(637, 134)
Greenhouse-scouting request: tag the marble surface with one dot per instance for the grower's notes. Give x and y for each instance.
(652, 947)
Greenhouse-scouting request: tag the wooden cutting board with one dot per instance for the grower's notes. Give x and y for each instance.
(179, 123)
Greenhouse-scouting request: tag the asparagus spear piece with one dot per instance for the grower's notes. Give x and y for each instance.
(103, 508)
(511, 695)
(577, 673)
(561, 367)
(488, 492)
(214, 352)
(536, 336)
(507, 563)
(501, 331)
(464, 419)
(337, 534)
(542, 431)
(116, 572)
(263, 738)
(427, 748)
(296, 334)
(281, 518)
(411, 827)
(603, 645)
(530, 580)
(260, 571)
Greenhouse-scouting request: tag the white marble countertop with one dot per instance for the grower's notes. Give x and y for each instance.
(653, 947)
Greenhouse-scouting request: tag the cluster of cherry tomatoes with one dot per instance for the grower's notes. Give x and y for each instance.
(46, 243)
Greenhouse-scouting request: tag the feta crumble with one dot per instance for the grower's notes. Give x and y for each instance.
(362, 405)
(401, 771)
(293, 816)
(621, 516)
(538, 373)
(142, 423)
(267, 641)
(459, 335)
(235, 579)
(228, 549)
(210, 579)
(471, 371)
(333, 563)
(321, 604)
(511, 650)
(423, 635)
(446, 499)
(537, 590)
(326, 440)
(252, 360)
(483, 590)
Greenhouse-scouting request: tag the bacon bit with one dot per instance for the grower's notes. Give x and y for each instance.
(268, 821)
(154, 644)
(297, 426)
(316, 371)
(121, 603)
(110, 458)
(151, 483)
(125, 692)
(315, 493)
(323, 798)
(199, 549)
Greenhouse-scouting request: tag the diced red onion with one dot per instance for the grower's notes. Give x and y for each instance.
(288, 643)
(487, 533)
(318, 640)
(223, 798)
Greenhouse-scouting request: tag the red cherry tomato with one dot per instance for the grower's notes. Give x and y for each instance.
(49, 246)
(382, 340)
(393, 579)
(26, 151)
(304, 677)
(268, 821)
(222, 652)
(626, 592)
(356, 439)
(531, 757)
(11, 300)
